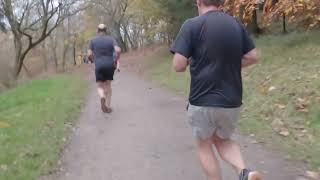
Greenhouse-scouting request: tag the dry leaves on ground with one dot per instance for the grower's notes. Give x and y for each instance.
(302, 105)
(277, 124)
(284, 132)
(272, 88)
(3, 167)
(4, 125)
(280, 106)
(313, 175)
(278, 127)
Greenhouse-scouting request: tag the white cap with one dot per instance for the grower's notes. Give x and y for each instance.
(102, 26)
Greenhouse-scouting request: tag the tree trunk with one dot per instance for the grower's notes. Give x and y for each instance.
(17, 66)
(119, 38)
(242, 9)
(18, 52)
(255, 26)
(44, 56)
(28, 72)
(74, 53)
(284, 24)
(64, 57)
(53, 44)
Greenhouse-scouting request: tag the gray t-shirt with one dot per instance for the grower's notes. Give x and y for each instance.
(102, 47)
(216, 43)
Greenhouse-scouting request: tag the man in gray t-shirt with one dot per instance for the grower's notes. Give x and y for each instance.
(105, 53)
(216, 46)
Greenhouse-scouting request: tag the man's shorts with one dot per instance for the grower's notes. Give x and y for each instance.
(207, 121)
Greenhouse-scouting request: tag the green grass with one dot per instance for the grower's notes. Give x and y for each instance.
(35, 117)
(291, 64)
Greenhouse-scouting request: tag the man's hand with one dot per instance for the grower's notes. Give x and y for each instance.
(250, 58)
(90, 55)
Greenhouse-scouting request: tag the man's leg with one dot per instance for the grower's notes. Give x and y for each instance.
(101, 90)
(208, 159)
(108, 90)
(102, 94)
(229, 152)
(199, 119)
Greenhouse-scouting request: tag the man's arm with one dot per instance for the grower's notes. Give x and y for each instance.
(182, 48)
(250, 58)
(90, 52)
(90, 55)
(117, 50)
(180, 63)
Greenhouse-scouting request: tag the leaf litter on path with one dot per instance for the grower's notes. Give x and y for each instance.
(284, 132)
(272, 88)
(277, 124)
(302, 105)
(3, 167)
(313, 175)
(4, 125)
(280, 106)
(278, 127)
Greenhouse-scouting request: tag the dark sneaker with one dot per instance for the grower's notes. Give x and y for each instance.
(109, 110)
(250, 175)
(104, 108)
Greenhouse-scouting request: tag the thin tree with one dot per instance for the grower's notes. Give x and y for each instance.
(32, 21)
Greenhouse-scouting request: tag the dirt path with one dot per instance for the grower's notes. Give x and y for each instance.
(146, 138)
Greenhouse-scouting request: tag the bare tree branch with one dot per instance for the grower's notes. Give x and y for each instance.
(47, 15)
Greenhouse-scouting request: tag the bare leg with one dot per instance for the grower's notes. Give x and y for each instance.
(108, 90)
(102, 94)
(208, 159)
(229, 152)
(101, 90)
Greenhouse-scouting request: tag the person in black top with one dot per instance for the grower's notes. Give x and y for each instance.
(217, 47)
(105, 53)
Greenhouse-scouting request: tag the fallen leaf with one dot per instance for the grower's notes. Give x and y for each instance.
(263, 90)
(280, 106)
(272, 88)
(3, 167)
(313, 175)
(303, 110)
(303, 101)
(4, 125)
(302, 105)
(314, 76)
(284, 132)
(277, 124)
(304, 131)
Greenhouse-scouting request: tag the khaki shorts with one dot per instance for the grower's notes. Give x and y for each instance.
(207, 121)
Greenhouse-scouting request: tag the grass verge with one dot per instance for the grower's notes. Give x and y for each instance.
(34, 118)
(282, 94)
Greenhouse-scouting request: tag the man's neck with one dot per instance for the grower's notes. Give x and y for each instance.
(101, 34)
(204, 10)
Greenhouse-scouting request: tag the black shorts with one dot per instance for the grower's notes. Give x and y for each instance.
(104, 71)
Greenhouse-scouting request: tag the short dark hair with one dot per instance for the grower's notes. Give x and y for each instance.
(104, 30)
(216, 3)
